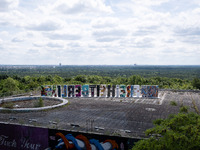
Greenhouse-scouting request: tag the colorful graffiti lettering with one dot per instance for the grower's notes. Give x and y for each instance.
(78, 90)
(122, 91)
(81, 142)
(100, 91)
(46, 90)
(54, 91)
(85, 90)
(149, 91)
(103, 90)
(128, 91)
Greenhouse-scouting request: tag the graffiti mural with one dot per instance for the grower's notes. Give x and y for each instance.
(54, 90)
(103, 90)
(46, 90)
(128, 91)
(85, 90)
(17, 137)
(84, 141)
(122, 91)
(64, 91)
(92, 90)
(111, 91)
(152, 91)
(136, 90)
(59, 90)
(70, 90)
(78, 90)
(149, 91)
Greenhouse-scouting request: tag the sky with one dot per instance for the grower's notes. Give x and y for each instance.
(100, 32)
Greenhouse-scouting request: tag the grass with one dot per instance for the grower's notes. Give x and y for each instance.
(39, 103)
(195, 106)
(184, 109)
(173, 103)
(9, 105)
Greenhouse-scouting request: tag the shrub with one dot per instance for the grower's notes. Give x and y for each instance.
(8, 105)
(39, 103)
(173, 103)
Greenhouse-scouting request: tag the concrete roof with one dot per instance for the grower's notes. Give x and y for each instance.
(127, 117)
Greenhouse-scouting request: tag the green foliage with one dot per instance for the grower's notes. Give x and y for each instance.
(180, 131)
(9, 105)
(180, 72)
(173, 103)
(81, 78)
(196, 83)
(8, 86)
(39, 103)
(169, 77)
(57, 80)
(184, 109)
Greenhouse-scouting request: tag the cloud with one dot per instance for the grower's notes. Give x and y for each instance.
(107, 39)
(150, 2)
(17, 39)
(109, 35)
(6, 5)
(54, 45)
(44, 26)
(173, 6)
(33, 51)
(38, 44)
(146, 31)
(105, 22)
(79, 6)
(112, 32)
(4, 23)
(144, 43)
(1, 41)
(73, 44)
(192, 40)
(187, 31)
(92, 30)
(63, 36)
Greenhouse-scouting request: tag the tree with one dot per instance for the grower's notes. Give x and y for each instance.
(196, 83)
(132, 79)
(9, 86)
(81, 78)
(57, 79)
(180, 131)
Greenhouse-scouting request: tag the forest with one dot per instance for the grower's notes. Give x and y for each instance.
(21, 79)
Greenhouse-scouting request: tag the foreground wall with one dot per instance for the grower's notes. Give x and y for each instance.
(18, 137)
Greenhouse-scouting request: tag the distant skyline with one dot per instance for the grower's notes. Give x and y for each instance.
(100, 32)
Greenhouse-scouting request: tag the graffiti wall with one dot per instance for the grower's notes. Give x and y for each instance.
(102, 90)
(64, 139)
(18, 137)
(46, 90)
(149, 91)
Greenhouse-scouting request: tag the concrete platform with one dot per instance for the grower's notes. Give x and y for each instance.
(110, 116)
(25, 98)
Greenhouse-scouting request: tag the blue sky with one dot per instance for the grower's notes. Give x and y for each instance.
(94, 32)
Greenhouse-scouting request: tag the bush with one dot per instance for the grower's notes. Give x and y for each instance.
(180, 131)
(9, 105)
(173, 103)
(39, 103)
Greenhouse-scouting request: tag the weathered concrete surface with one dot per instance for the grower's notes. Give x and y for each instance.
(111, 116)
(25, 98)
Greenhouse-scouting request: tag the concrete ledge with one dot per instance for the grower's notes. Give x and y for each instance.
(64, 102)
